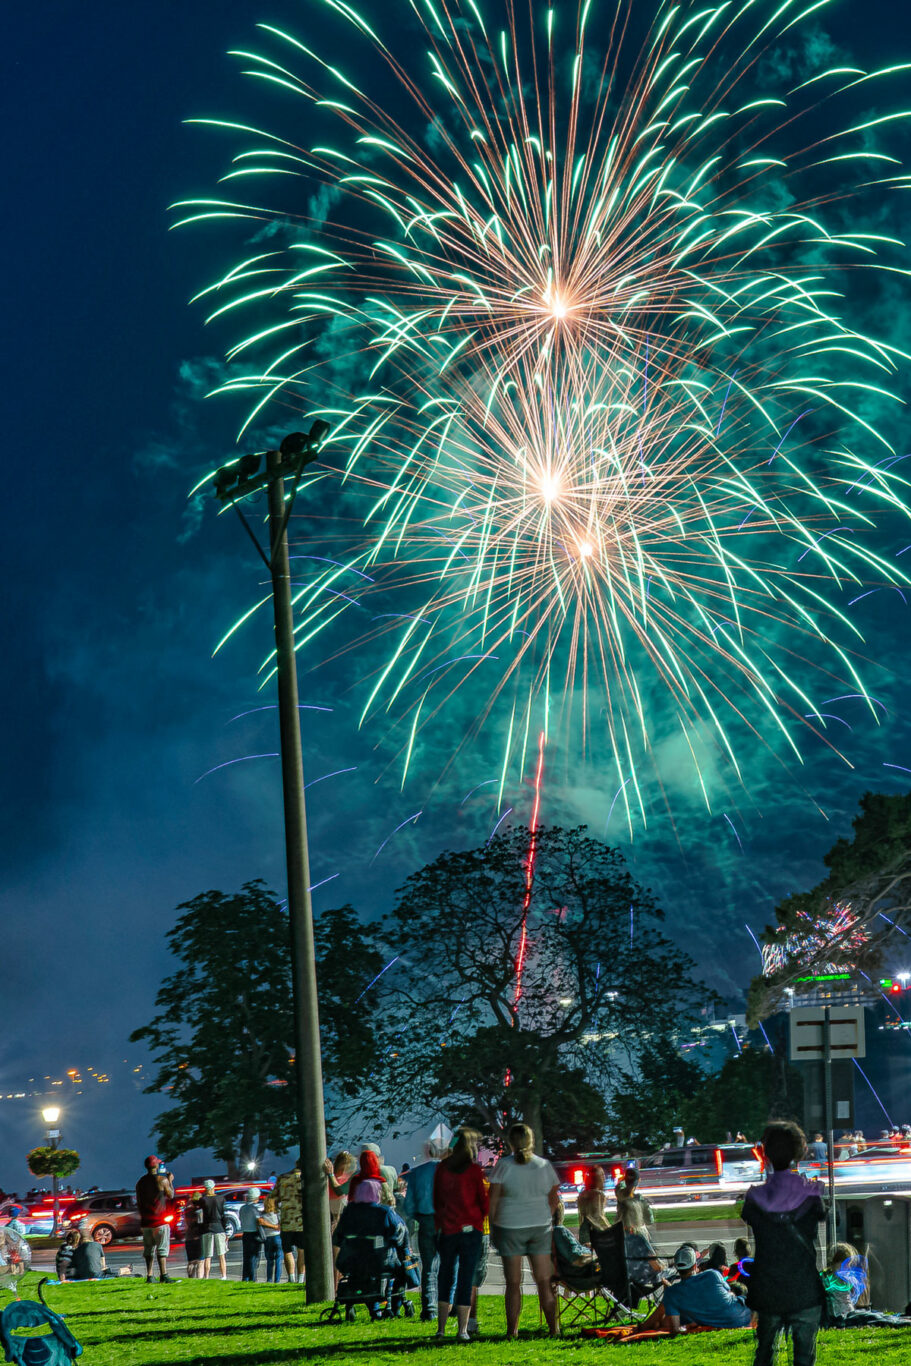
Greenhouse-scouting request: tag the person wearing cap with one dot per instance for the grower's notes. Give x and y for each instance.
(250, 1233)
(154, 1196)
(214, 1231)
(701, 1297)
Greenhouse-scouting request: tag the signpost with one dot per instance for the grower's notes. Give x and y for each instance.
(823, 1033)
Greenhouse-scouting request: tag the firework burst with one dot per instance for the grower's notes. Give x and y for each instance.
(578, 308)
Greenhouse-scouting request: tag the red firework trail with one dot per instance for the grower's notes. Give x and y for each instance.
(530, 867)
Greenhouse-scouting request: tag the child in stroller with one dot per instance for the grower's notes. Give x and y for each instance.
(376, 1264)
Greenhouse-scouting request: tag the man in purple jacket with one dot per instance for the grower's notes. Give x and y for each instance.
(785, 1288)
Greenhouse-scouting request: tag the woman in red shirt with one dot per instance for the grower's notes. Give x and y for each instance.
(460, 1205)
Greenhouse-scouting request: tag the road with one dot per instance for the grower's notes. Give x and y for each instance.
(667, 1238)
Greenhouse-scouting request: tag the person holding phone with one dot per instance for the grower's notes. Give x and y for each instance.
(154, 1196)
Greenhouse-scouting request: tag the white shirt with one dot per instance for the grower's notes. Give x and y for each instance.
(524, 1188)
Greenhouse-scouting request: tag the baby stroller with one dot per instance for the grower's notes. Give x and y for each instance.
(376, 1264)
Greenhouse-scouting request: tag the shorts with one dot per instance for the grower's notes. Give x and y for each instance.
(292, 1238)
(213, 1245)
(480, 1271)
(523, 1242)
(156, 1240)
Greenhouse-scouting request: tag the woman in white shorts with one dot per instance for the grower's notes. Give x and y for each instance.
(524, 1192)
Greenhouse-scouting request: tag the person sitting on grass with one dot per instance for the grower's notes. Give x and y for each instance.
(63, 1262)
(845, 1281)
(575, 1264)
(699, 1297)
(89, 1262)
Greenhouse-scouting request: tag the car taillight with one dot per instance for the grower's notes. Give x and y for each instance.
(74, 1215)
(616, 1173)
(169, 1218)
(719, 1165)
(579, 1177)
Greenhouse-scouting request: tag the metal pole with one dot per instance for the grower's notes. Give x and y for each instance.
(55, 1187)
(308, 1060)
(830, 1135)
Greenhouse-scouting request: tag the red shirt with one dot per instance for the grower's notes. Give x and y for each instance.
(460, 1199)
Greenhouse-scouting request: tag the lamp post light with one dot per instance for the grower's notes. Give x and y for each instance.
(232, 484)
(51, 1115)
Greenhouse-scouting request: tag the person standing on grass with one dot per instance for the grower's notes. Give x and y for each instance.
(418, 1205)
(290, 1199)
(699, 1297)
(785, 1290)
(154, 1197)
(524, 1194)
(480, 1271)
(214, 1231)
(270, 1227)
(460, 1205)
(251, 1235)
(192, 1240)
(338, 1173)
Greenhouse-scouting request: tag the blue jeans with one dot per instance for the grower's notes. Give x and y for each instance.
(253, 1246)
(459, 1253)
(274, 1259)
(430, 1260)
(803, 1325)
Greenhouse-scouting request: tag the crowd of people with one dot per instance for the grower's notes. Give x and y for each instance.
(452, 1211)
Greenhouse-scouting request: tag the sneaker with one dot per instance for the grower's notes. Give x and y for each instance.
(438, 1337)
(463, 1337)
(148, 1280)
(165, 1280)
(473, 1328)
(428, 1316)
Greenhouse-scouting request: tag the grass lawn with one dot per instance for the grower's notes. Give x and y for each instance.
(696, 1214)
(208, 1323)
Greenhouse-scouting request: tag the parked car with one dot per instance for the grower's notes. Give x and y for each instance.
(109, 1216)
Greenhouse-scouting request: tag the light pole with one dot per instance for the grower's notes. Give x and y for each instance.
(233, 483)
(51, 1114)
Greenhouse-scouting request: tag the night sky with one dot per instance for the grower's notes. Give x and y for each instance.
(117, 590)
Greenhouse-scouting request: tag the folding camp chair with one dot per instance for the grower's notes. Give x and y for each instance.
(622, 1296)
(577, 1295)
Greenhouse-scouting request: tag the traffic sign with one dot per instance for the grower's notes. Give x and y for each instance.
(808, 1033)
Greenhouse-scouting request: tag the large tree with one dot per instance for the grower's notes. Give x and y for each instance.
(222, 1036)
(649, 1098)
(564, 917)
(854, 917)
(750, 1089)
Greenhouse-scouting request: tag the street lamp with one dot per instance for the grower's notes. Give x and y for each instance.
(232, 483)
(51, 1114)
